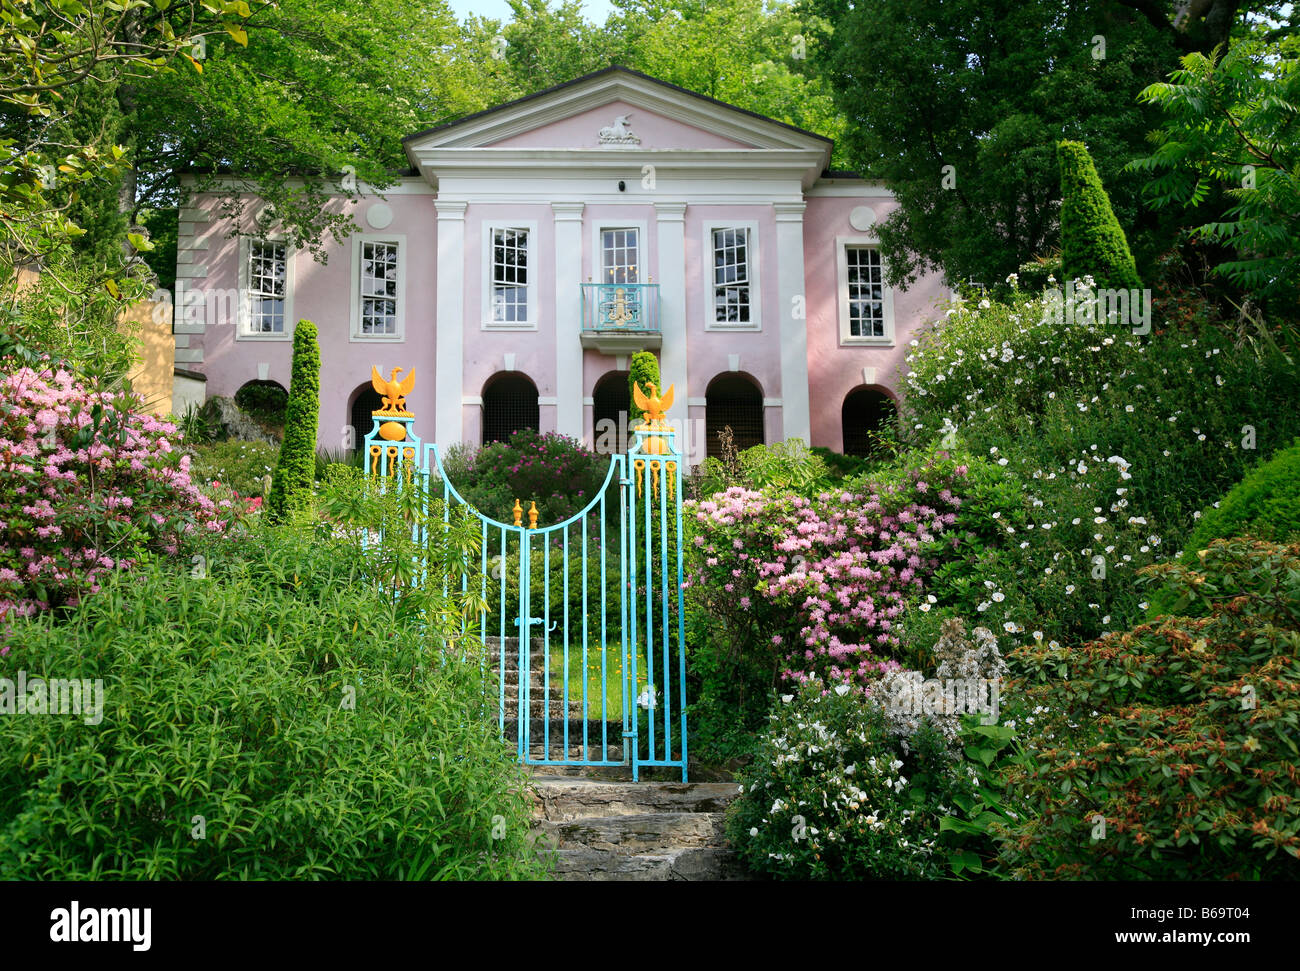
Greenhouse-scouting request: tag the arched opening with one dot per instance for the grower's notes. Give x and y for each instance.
(264, 400)
(364, 401)
(866, 411)
(509, 404)
(611, 400)
(733, 401)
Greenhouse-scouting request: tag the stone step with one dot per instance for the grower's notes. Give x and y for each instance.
(682, 863)
(635, 833)
(558, 799)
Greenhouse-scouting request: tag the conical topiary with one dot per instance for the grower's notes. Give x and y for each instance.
(1092, 241)
(295, 471)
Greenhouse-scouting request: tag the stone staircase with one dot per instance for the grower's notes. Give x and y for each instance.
(593, 822)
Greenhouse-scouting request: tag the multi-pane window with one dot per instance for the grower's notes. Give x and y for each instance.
(866, 292)
(268, 268)
(620, 256)
(510, 276)
(731, 276)
(378, 288)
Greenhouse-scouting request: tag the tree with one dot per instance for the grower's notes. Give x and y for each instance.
(295, 470)
(1092, 242)
(1230, 131)
(958, 104)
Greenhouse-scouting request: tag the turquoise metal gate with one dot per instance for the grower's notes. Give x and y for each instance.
(584, 630)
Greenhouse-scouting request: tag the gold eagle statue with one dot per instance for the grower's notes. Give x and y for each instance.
(653, 405)
(392, 391)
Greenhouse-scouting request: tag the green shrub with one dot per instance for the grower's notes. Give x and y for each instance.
(264, 400)
(1092, 242)
(840, 466)
(294, 476)
(1179, 735)
(557, 472)
(266, 715)
(643, 372)
(241, 466)
(1265, 505)
(833, 794)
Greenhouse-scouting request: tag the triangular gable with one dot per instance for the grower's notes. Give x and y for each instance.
(584, 106)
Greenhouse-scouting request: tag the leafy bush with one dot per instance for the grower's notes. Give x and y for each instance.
(1096, 424)
(557, 472)
(88, 486)
(241, 466)
(294, 476)
(1180, 735)
(833, 794)
(265, 401)
(820, 582)
(840, 466)
(789, 466)
(273, 717)
(1092, 242)
(1265, 505)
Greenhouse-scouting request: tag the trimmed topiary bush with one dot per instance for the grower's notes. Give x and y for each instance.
(1265, 504)
(644, 371)
(1092, 242)
(264, 400)
(295, 472)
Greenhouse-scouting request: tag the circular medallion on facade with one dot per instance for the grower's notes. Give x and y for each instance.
(379, 215)
(863, 217)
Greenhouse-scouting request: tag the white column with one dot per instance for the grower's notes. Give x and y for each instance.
(450, 328)
(671, 276)
(795, 410)
(568, 323)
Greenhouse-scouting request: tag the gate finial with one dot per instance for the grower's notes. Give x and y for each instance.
(532, 515)
(519, 513)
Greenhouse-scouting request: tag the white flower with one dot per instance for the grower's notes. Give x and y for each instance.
(1069, 588)
(842, 689)
(787, 698)
(753, 831)
(999, 596)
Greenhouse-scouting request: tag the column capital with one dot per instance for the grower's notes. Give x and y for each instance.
(667, 212)
(448, 209)
(789, 212)
(565, 211)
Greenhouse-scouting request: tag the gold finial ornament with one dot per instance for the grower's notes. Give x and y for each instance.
(519, 513)
(532, 515)
(653, 405)
(393, 392)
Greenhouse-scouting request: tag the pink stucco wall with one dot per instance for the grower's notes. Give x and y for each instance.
(322, 293)
(835, 370)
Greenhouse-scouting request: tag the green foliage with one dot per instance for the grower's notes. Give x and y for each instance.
(294, 476)
(241, 466)
(317, 730)
(840, 466)
(957, 104)
(1092, 241)
(1092, 423)
(1228, 130)
(264, 400)
(979, 816)
(832, 794)
(559, 473)
(788, 466)
(1180, 735)
(1265, 505)
(643, 372)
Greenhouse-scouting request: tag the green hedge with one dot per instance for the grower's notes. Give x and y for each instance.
(1092, 241)
(295, 473)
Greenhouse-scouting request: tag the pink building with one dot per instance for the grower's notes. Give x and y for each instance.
(535, 246)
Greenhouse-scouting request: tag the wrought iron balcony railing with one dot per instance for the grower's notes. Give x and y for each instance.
(620, 308)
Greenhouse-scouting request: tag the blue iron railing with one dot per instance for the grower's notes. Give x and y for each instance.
(631, 308)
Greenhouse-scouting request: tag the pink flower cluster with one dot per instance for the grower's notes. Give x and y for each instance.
(825, 579)
(86, 486)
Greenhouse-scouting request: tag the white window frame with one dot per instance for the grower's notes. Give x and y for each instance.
(755, 277)
(842, 246)
(399, 240)
(534, 275)
(598, 250)
(243, 331)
